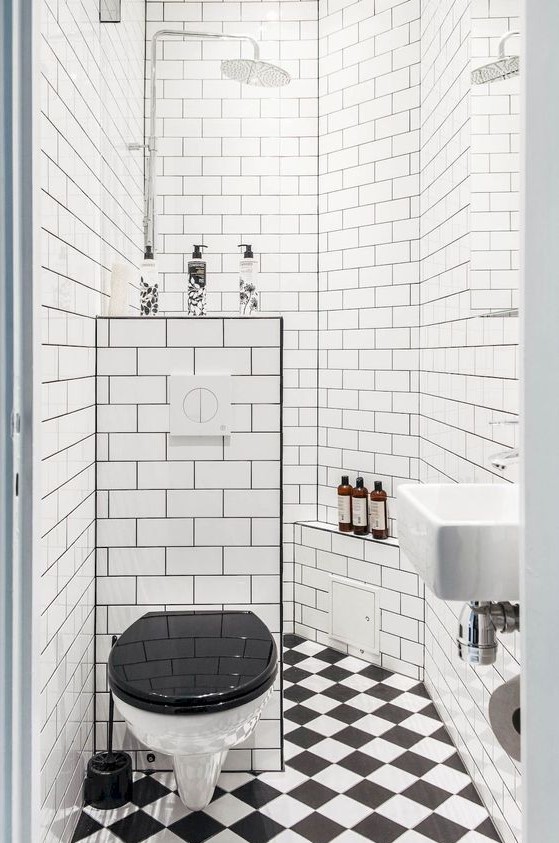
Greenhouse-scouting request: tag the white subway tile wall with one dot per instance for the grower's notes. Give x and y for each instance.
(320, 552)
(238, 164)
(91, 102)
(468, 368)
(495, 139)
(368, 244)
(405, 180)
(188, 522)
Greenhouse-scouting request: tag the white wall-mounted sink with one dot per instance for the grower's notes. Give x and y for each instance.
(462, 538)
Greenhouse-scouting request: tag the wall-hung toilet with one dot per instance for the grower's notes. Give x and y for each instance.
(192, 685)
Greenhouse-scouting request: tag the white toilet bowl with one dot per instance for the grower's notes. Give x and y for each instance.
(198, 743)
(192, 685)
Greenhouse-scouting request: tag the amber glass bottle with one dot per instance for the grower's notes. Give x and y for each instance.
(344, 505)
(379, 515)
(359, 514)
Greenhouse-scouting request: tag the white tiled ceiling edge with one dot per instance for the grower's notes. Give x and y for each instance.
(91, 100)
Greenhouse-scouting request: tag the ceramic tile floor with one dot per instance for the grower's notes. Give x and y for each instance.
(367, 759)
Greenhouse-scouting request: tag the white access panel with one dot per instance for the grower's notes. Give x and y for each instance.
(355, 614)
(200, 405)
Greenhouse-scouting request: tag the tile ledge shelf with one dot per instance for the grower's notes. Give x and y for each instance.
(332, 528)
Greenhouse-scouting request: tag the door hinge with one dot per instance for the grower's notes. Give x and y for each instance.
(15, 423)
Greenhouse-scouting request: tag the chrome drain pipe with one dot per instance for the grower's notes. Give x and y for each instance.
(479, 623)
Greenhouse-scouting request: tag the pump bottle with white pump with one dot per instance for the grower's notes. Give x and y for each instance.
(248, 271)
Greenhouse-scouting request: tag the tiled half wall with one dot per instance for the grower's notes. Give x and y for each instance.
(320, 553)
(186, 522)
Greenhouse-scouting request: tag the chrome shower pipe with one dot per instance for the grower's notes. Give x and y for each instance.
(150, 192)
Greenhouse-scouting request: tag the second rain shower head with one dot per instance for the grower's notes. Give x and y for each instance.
(503, 68)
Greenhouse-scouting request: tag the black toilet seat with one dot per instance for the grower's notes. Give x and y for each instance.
(193, 662)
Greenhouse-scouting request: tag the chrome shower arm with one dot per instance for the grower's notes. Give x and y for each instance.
(503, 40)
(150, 193)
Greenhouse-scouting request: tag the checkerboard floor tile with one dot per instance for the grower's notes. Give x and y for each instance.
(367, 759)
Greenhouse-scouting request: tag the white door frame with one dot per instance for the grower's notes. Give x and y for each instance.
(19, 711)
(540, 440)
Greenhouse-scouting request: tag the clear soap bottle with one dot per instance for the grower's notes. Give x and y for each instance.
(248, 272)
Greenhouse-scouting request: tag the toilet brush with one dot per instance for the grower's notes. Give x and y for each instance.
(108, 782)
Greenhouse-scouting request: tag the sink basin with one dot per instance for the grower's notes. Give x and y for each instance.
(463, 538)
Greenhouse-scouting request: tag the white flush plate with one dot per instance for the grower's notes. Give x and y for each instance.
(200, 405)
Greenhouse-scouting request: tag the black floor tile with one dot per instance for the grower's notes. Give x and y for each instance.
(441, 829)
(146, 790)
(305, 738)
(413, 763)
(313, 794)
(455, 762)
(298, 694)
(335, 673)
(360, 763)
(295, 674)
(370, 794)
(341, 693)
(318, 828)
(384, 692)
(346, 713)
(379, 829)
(256, 793)
(402, 737)
(301, 715)
(136, 827)
(257, 828)
(86, 826)
(293, 657)
(372, 671)
(197, 827)
(330, 656)
(427, 794)
(393, 713)
(290, 640)
(353, 737)
(308, 763)
(488, 829)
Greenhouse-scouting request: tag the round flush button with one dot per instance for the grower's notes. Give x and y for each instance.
(200, 405)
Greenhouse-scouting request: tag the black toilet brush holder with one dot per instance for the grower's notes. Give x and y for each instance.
(108, 782)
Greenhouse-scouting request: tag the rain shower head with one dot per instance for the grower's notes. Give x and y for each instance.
(255, 72)
(503, 68)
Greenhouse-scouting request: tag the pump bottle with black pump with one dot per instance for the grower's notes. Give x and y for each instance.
(248, 271)
(197, 282)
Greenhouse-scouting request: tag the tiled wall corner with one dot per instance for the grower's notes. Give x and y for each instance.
(91, 102)
(369, 251)
(320, 552)
(186, 522)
